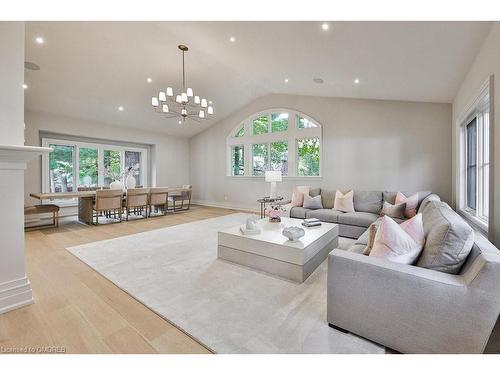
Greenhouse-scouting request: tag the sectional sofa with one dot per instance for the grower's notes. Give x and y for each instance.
(448, 302)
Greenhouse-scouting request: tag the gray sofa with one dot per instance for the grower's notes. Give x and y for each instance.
(367, 205)
(414, 309)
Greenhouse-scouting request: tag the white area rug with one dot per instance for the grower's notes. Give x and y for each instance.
(230, 309)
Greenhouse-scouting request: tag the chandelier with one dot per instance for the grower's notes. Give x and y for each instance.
(184, 105)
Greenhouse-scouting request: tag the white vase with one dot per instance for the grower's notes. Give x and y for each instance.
(130, 182)
(116, 185)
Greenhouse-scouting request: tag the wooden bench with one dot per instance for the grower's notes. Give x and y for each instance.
(43, 209)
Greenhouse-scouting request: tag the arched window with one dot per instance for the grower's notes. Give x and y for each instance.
(277, 139)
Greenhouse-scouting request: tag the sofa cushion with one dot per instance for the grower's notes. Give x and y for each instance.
(360, 219)
(344, 201)
(312, 202)
(298, 195)
(314, 192)
(327, 198)
(298, 212)
(449, 239)
(356, 248)
(390, 196)
(324, 214)
(429, 198)
(368, 201)
(411, 203)
(394, 210)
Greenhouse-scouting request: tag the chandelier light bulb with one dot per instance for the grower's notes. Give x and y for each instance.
(210, 110)
(170, 91)
(196, 99)
(178, 99)
(162, 96)
(154, 101)
(204, 103)
(190, 92)
(184, 97)
(201, 114)
(184, 112)
(165, 108)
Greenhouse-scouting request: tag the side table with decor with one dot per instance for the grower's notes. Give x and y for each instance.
(265, 201)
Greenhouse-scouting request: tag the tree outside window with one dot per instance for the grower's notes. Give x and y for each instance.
(308, 157)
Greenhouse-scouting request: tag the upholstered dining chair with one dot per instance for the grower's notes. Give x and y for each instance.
(137, 200)
(158, 197)
(183, 196)
(109, 200)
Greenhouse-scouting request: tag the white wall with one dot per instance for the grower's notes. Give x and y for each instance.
(11, 83)
(170, 159)
(367, 144)
(487, 63)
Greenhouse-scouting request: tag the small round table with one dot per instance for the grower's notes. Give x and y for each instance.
(264, 201)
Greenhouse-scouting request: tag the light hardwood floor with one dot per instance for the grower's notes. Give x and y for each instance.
(78, 309)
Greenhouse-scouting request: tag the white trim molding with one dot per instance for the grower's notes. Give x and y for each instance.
(15, 288)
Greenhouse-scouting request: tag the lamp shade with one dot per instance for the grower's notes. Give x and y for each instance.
(273, 176)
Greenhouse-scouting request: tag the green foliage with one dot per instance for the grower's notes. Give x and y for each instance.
(260, 125)
(308, 152)
(260, 159)
(279, 122)
(240, 133)
(88, 158)
(237, 161)
(112, 164)
(61, 168)
(279, 157)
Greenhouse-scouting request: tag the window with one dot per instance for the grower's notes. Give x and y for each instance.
(308, 157)
(75, 164)
(280, 140)
(259, 159)
(475, 161)
(237, 160)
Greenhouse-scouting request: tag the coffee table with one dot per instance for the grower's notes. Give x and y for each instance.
(273, 253)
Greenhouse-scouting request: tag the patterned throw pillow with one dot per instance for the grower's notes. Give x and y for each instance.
(312, 203)
(344, 202)
(298, 195)
(400, 243)
(396, 211)
(411, 203)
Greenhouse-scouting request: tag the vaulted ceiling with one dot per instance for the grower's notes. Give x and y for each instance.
(89, 69)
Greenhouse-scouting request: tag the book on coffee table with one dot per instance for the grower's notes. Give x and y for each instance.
(313, 224)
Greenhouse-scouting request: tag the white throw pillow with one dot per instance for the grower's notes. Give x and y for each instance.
(312, 202)
(411, 203)
(344, 202)
(400, 243)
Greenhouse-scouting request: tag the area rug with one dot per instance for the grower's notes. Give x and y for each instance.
(226, 307)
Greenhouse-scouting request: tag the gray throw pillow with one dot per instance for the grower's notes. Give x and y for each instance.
(396, 211)
(313, 203)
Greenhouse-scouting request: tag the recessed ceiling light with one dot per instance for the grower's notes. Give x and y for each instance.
(120, 108)
(325, 26)
(356, 80)
(286, 80)
(232, 39)
(318, 80)
(39, 40)
(180, 122)
(31, 65)
(149, 80)
(25, 86)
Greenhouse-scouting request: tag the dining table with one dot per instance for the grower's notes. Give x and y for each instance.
(86, 200)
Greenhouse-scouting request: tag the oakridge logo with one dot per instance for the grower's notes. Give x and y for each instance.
(33, 350)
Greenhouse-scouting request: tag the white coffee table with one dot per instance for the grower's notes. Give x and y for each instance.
(271, 252)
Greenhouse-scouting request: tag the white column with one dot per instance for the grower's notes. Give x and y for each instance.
(15, 289)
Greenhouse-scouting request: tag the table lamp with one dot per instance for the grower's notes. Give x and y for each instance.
(273, 177)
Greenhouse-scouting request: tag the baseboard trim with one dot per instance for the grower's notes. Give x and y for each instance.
(230, 206)
(15, 294)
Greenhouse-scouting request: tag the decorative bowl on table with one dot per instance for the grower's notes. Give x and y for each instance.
(293, 233)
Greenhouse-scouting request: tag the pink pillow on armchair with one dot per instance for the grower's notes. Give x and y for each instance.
(298, 195)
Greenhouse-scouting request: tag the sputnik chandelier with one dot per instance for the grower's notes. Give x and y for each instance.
(185, 105)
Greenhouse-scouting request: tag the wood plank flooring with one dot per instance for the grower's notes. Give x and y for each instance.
(78, 309)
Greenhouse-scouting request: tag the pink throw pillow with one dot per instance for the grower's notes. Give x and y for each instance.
(400, 243)
(298, 195)
(344, 202)
(411, 203)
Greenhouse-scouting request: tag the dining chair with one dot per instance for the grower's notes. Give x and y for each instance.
(136, 199)
(158, 197)
(183, 196)
(107, 201)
